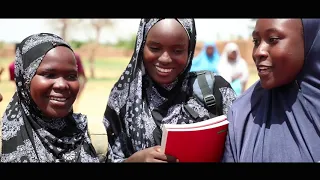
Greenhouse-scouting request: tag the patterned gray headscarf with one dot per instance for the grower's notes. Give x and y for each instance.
(26, 135)
(127, 109)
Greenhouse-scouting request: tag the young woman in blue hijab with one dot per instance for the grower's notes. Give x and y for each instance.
(208, 59)
(278, 118)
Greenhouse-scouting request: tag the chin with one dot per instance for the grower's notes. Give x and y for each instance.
(164, 82)
(266, 85)
(57, 114)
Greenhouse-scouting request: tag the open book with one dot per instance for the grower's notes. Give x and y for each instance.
(198, 142)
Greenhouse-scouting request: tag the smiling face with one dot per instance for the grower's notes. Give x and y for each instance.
(278, 50)
(55, 85)
(166, 51)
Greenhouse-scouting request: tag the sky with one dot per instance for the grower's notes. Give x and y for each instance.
(14, 30)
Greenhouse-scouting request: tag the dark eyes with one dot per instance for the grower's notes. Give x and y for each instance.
(156, 49)
(256, 42)
(178, 51)
(70, 77)
(271, 40)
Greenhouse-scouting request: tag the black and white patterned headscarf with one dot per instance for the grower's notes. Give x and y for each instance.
(138, 107)
(26, 135)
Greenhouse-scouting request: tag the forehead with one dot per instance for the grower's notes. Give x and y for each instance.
(59, 56)
(282, 25)
(168, 29)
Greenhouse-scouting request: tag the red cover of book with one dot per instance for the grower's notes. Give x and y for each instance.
(198, 142)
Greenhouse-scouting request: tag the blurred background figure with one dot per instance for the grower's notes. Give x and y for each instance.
(207, 59)
(11, 65)
(234, 68)
(81, 75)
(1, 71)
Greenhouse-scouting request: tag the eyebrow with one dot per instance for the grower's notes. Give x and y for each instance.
(178, 44)
(49, 69)
(53, 70)
(268, 31)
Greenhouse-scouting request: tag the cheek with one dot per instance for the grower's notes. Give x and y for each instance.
(293, 65)
(181, 60)
(74, 86)
(288, 65)
(38, 89)
(148, 56)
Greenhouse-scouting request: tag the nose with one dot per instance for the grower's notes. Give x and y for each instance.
(60, 84)
(165, 58)
(260, 53)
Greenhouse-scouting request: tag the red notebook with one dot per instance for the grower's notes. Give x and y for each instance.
(198, 142)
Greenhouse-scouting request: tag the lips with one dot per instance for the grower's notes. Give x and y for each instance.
(59, 99)
(163, 70)
(264, 69)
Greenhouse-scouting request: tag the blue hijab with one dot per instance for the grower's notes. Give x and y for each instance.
(204, 62)
(281, 124)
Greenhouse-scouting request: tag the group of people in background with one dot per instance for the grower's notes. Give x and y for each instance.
(276, 119)
(230, 64)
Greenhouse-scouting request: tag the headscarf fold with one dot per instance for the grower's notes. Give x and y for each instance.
(281, 124)
(28, 136)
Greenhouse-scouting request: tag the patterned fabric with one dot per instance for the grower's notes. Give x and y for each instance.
(26, 135)
(128, 116)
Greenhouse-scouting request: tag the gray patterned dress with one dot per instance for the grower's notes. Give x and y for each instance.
(26, 135)
(128, 117)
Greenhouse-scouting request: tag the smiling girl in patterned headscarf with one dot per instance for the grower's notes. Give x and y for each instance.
(155, 89)
(39, 124)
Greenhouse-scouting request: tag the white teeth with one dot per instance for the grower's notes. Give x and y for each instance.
(58, 99)
(163, 70)
(263, 68)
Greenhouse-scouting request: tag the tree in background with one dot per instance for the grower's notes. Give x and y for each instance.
(98, 25)
(63, 26)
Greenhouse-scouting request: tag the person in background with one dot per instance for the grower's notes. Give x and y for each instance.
(11, 65)
(278, 119)
(81, 75)
(1, 72)
(156, 89)
(233, 68)
(39, 124)
(208, 58)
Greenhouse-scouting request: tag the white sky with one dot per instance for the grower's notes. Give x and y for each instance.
(14, 30)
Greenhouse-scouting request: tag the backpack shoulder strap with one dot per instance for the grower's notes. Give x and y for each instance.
(218, 96)
(209, 93)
